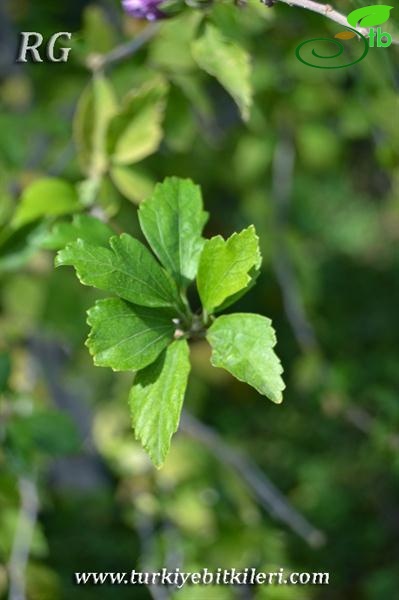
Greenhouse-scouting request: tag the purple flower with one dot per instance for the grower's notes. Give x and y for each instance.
(144, 9)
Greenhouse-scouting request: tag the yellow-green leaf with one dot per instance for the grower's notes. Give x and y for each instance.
(131, 183)
(243, 343)
(228, 62)
(96, 107)
(227, 267)
(136, 131)
(47, 197)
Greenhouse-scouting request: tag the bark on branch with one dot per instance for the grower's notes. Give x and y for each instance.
(27, 517)
(326, 10)
(260, 486)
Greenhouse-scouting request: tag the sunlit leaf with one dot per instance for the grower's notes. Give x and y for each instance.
(172, 220)
(82, 227)
(136, 131)
(243, 344)
(227, 267)
(156, 400)
(49, 197)
(131, 183)
(127, 269)
(127, 337)
(99, 33)
(96, 107)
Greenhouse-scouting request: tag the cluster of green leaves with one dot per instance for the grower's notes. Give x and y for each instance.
(110, 136)
(146, 327)
(113, 135)
(339, 233)
(116, 128)
(30, 433)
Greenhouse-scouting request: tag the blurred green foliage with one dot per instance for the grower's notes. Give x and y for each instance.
(315, 169)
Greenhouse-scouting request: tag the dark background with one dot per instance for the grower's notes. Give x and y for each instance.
(315, 169)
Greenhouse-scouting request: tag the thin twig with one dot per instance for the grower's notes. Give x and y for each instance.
(145, 530)
(328, 11)
(283, 173)
(365, 423)
(97, 62)
(20, 551)
(261, 487)
(302, 328)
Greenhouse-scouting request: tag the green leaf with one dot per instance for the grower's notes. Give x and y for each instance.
(48, 197)
(108, 198)
(6, 205)
(180, 129)
(172, 221)
(128, 270)
(100, 191)
(83, 123)
(170, 49)
(98, 33)
(227, 267)
(243, 344)
(156, 400)
(17, 246)
(82, 227)
(50, 432)
(229, 63)
(131, 183)
(5, 370)
(96, 107)
(369, 16)
(127, 337)
(254, 274)
(136, 131)
(105, 107)
(195, 92)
